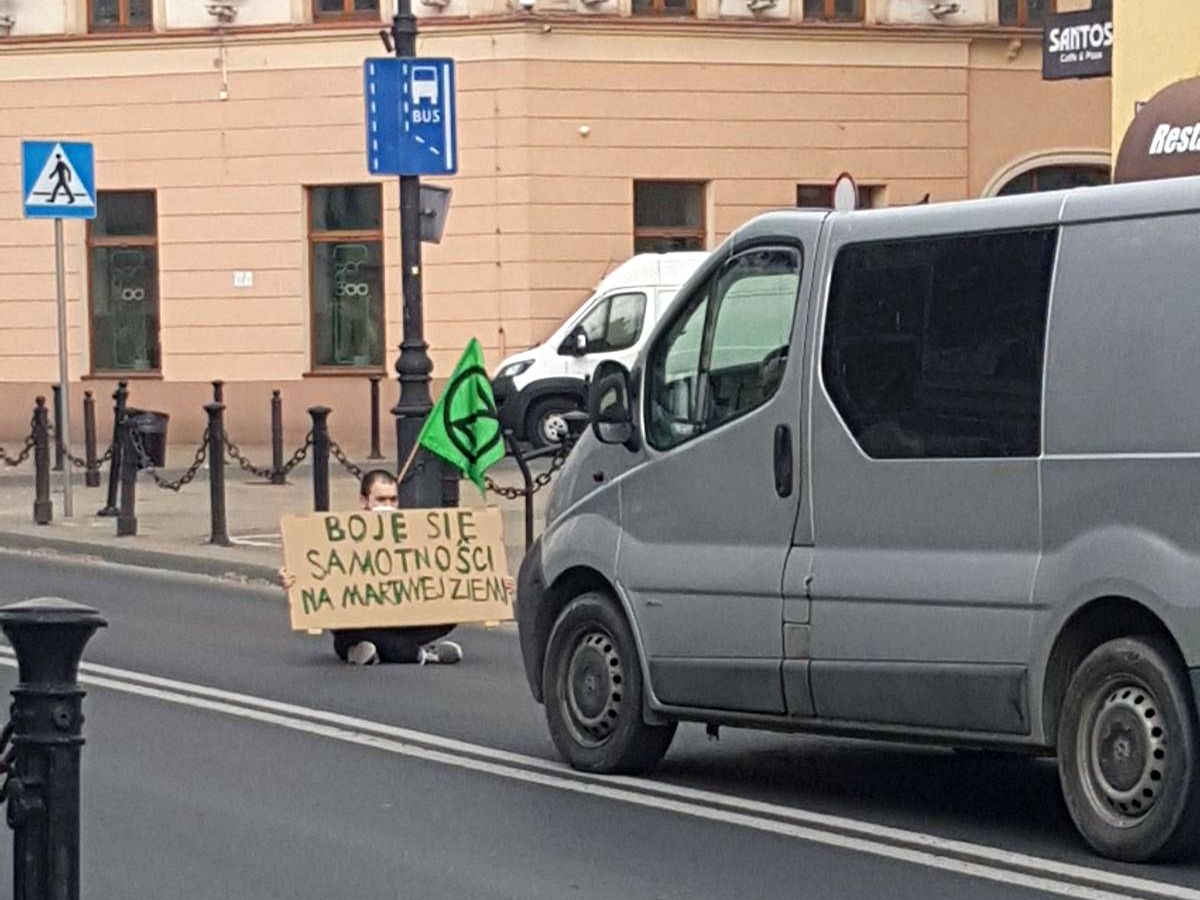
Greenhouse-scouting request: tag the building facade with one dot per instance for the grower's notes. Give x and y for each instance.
(240, 237)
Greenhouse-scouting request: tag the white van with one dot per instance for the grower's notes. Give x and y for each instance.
(535, 387)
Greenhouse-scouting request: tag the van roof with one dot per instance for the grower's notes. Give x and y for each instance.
(667, 269)
(1081, 204)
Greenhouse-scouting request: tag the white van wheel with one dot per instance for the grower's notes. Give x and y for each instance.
(1127, 751)
(545, 424)
(592, 685)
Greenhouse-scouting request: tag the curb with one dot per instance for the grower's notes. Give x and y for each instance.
(133, 556)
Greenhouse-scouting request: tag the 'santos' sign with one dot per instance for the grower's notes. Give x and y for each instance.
(1163, 140)
(1078, 45)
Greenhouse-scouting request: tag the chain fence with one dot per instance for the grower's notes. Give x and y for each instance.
(26, 449)
(340, 455)
(189, 475)
(540, 481)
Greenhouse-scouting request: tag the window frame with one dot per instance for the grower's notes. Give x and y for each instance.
(347, 12)
(830, 15)
(867, 194)
(1023, 15)
(822, 339)
(92, 241)
(703, 294)
(660, 8)
(700, 232)
(316, 236)
(606, 302)
(122, 26)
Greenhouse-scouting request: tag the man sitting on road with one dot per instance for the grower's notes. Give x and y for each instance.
(367, 646)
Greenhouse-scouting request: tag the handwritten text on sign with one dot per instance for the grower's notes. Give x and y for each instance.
(409, 567)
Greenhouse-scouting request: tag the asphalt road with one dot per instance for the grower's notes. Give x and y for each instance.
(228, 757)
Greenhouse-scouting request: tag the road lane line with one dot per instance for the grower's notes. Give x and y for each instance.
(652, 793)
(561, 782)
(921, 840)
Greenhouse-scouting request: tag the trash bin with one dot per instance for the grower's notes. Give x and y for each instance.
(151, 427)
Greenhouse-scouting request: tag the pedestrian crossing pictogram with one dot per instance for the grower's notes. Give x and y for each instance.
(58, 180)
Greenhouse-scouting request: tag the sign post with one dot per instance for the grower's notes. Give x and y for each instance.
(58, 181)
(411, 131)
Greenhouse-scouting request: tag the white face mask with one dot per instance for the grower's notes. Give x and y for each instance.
(383, 509)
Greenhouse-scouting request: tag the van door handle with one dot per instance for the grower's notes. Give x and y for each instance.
(783, 461)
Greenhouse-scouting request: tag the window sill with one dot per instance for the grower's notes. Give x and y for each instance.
(348, 372)
(122, 376)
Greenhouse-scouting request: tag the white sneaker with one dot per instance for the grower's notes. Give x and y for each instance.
(364, 653)
(445, 652)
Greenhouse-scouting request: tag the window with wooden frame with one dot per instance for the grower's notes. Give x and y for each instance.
(120, 15)
(345, 252)
(123, 302)
(1025, 13)
(664, 7)
(345, 9)
(668, 215)
(833, 10)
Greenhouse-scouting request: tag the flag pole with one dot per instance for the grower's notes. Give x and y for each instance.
(408, 462)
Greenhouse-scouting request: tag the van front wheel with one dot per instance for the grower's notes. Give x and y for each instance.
(592, 684)
(1127, 751)
(545, 424)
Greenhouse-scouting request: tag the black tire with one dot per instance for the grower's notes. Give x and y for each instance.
(540, 413)
(592, 684)
(1127, 752)
(395, 645)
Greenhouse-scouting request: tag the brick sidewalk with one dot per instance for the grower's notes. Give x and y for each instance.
(173, 528)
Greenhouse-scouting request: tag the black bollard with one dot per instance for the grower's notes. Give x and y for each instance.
(48, 636)
(216, 473)
(320, 457)
(120, 396)
(127, 517)
(91, 476)
(375, 454)
(218, 391)
(58, 415)
(277, 473)
(43, 509)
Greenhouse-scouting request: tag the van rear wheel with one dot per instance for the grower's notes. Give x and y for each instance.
(1127, 751)
(592, 685)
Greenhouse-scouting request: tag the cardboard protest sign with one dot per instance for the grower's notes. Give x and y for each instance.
(396, 568)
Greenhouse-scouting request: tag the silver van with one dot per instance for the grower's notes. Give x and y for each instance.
(928, 473)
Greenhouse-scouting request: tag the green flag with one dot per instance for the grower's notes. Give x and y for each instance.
(463, 427)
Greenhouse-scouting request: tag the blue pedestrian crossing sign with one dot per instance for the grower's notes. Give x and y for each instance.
(411, 127)
(58, 180)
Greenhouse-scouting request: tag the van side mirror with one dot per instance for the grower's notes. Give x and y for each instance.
(610, 407)
(575, 344)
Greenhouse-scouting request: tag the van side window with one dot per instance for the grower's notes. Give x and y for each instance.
(933, 347)
(726, 351)
(615, 323)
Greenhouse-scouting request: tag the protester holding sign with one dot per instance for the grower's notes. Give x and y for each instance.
(380, 582)
(361, 646)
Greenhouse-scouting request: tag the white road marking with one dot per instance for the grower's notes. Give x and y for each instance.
(919, 848)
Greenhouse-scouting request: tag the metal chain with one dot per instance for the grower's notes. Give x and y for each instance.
(539, 482)
(340, 455)
(235, 453)
(26, 449)
(76, 461)
(186, 478)
(300, 455)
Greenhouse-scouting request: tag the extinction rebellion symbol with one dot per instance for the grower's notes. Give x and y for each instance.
(467, 409)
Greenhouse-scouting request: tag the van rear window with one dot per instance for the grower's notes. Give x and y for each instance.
(933, 347)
